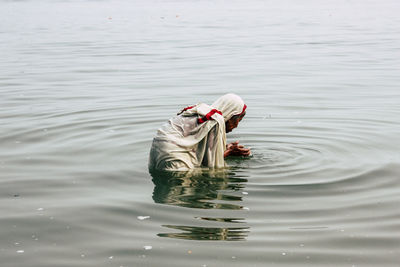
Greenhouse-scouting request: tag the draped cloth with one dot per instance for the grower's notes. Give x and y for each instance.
(196, 137)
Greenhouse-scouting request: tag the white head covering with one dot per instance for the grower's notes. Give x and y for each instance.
(229, 105)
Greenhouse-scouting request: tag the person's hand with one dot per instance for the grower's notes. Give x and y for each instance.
(234, 149)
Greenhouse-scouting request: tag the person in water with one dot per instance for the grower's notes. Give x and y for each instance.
(196, 137)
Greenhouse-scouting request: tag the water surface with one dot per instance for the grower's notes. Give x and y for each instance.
(85, 84)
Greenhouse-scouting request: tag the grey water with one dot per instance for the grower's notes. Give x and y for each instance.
(85, 84)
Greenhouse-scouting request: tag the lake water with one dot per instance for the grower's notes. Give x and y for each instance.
(84, 85)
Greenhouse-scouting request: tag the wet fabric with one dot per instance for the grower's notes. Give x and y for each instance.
(196, 137)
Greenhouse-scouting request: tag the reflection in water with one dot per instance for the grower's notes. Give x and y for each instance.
(229, 220)
(198, 190)
(202, 190)
(207, 233)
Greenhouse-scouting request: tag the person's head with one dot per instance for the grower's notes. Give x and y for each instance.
(233, 110)
(233, 122)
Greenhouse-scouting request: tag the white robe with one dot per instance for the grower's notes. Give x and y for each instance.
(182, 143)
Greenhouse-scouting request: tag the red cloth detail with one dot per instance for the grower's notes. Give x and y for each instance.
(183, 110)
(244, 109)
(188, 108)
(208, 116)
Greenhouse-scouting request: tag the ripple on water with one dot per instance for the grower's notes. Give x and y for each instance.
(303, 154)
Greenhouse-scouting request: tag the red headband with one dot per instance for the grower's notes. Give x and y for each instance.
(183, 110)
(208, 116)
(244, 109)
